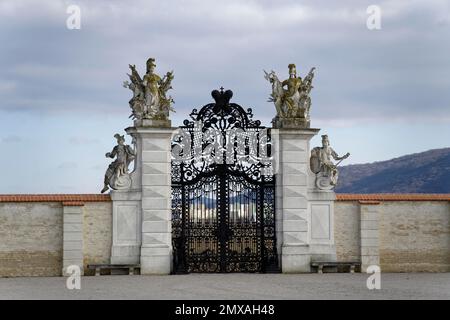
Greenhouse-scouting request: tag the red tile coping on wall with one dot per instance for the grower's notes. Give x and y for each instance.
(369, 202)
(67, 199)
(76, 199)
(392, 197)
(73, 203)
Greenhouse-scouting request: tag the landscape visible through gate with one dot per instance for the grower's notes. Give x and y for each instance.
(223, 192)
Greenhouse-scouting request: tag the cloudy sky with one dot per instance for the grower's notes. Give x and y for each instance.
(378, 93)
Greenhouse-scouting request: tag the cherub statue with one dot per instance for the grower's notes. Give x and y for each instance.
(117, 176)
(150, 99)
(322, 165)
(291, 96)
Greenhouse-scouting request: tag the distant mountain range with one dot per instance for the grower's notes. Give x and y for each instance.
(425, 172)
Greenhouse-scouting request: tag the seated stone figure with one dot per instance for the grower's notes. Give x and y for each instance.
(291, 98)
(322, 165)
(116, 175)
(150, 99)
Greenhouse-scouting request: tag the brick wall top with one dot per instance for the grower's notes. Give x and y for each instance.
(392, 197)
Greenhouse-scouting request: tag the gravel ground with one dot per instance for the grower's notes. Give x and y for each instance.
(232, 286)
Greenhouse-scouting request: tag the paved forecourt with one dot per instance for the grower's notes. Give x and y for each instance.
(232, 286)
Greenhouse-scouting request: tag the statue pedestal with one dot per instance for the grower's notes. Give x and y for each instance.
(153, 123)
(126, 242)
(290, 123)
(304, 214)
(321, 217)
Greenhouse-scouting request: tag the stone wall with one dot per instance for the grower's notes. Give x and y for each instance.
(413, 232)
(31, 239)
(415, 237)
(97, 233)
(347, 231)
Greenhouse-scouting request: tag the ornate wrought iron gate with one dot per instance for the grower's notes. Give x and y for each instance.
(223, 192)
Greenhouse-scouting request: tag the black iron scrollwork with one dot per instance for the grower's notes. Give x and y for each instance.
(223, 131)
(223, 191)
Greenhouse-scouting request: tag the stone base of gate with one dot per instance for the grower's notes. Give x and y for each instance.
(295, 259)
(156, 260)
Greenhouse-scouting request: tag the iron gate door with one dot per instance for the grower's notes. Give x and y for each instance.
(223, 192)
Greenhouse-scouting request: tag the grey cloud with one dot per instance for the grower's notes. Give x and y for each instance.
(394, 72)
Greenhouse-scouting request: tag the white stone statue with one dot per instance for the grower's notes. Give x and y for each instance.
(117, 176)
(294, 101)
(150, 100)
(322, 165)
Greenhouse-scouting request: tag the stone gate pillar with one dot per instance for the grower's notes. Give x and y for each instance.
(153, 162)
(142, 198)
(142, 212)
(292, 205)
(305, 178)
(304, 208)
(304, 212)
